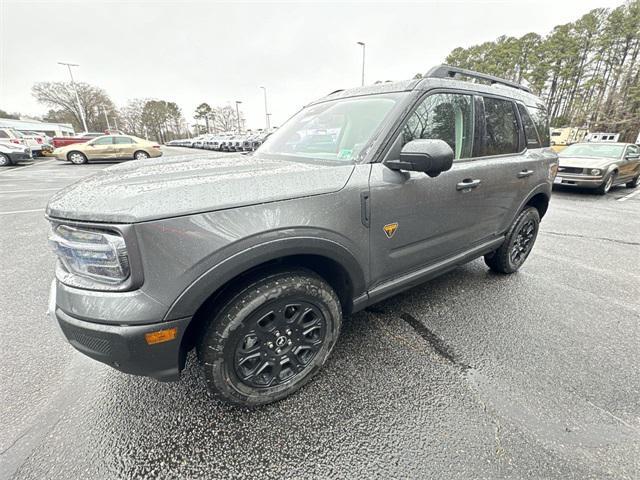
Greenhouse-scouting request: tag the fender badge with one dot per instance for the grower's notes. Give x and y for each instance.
(390, 229)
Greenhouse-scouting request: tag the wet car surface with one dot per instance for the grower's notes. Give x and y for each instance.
(472, 375)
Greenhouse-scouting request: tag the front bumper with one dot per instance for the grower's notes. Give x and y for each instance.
(581, 181)
(124, 347)
(17, 156)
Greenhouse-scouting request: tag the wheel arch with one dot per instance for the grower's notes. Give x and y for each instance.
(330, 260)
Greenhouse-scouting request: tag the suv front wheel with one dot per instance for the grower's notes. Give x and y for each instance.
(517, 244)
(270, 338)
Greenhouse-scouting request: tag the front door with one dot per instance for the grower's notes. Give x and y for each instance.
(100, 149)
(417, 220)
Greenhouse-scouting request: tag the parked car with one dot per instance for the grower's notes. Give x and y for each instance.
(599, 166)
(109, 147)
(34, 142)
(254, 260)
(80, 138)
(12, 153)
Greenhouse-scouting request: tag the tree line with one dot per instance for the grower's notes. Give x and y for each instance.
(150, 118)
(587, 71)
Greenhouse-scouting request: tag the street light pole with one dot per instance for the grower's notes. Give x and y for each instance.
(238, 102)
(266, 109)
(104, 110)
(73, 84)
(363, 47)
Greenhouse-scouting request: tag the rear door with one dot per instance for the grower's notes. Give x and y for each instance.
(123, 147)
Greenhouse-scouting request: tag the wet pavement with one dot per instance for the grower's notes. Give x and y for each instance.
(472, 375)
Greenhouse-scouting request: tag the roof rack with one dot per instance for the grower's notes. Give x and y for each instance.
(447, 71)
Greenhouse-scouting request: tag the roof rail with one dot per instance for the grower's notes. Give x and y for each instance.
(447, 71)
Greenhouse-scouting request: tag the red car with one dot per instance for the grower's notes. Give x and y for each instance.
(81, 138)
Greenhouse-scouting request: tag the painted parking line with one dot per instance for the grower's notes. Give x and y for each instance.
(627, 197)
(22, 211)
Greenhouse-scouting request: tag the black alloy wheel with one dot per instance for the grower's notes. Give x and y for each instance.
(517, 244)
(268, 336)
(278, 342)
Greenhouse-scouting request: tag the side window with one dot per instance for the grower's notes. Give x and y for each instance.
(123, 140)
(3, 134)
(541, 120)
(633, 149)
(444, 116)
(529, 128)
(103, 141)
(501, 127)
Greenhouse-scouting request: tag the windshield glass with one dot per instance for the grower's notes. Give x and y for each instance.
(599, 150)
(335, 131)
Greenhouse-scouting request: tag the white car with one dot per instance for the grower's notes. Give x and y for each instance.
(11, 153)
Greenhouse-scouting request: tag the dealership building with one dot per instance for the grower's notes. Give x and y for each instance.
(48, 128)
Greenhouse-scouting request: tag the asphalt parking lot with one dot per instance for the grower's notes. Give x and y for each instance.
(472, 375)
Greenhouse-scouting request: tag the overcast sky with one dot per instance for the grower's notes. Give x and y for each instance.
(190, 52)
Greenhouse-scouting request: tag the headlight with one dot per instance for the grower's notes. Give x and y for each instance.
(96, 255)
(596, 171)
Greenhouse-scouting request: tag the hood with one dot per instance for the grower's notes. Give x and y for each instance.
(586, 162)
(152, 189)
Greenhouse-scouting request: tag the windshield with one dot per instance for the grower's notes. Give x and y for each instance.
(334, 131)
(598, 150)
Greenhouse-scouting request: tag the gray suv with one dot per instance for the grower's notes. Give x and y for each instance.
(254, 260)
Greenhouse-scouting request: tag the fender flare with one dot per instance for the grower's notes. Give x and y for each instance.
(237, 263)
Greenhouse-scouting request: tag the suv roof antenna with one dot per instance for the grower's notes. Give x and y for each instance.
(447, 71)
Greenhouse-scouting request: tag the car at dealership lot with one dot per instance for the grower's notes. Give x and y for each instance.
(109, 147)
(12, 153)
(253, 260)
(599, 166)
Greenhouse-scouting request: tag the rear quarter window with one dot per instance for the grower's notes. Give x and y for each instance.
(530, 133)
(541, 121)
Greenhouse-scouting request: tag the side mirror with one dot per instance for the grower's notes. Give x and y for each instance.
(633, 156)
(425, 155)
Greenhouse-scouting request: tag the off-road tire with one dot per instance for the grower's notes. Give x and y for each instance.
(5, 161)
(502, 260)
(230, 327)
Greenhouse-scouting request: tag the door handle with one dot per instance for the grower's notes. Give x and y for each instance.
(468, 183)
(525, 173)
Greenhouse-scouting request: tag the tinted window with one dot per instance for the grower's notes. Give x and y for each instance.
(124, 140)
(529, 128)
(633, 149)
(541, 120)
(501, 127)
(103, 141)
(444, 116)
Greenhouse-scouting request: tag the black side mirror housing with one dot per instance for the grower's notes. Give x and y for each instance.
(431, 156)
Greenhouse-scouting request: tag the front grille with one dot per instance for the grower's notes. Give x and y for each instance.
(570, 170)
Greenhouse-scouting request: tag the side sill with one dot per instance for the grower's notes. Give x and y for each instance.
(409, 280)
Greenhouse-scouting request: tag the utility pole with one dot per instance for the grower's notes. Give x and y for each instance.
(238, 102)
(266, 110)
(363, 47)
(104, 110)
(73, 84)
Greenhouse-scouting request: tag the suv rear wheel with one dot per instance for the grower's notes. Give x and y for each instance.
(270, 338)
(517, 244)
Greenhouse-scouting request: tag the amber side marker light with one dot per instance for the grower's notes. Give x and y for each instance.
(161, 336)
